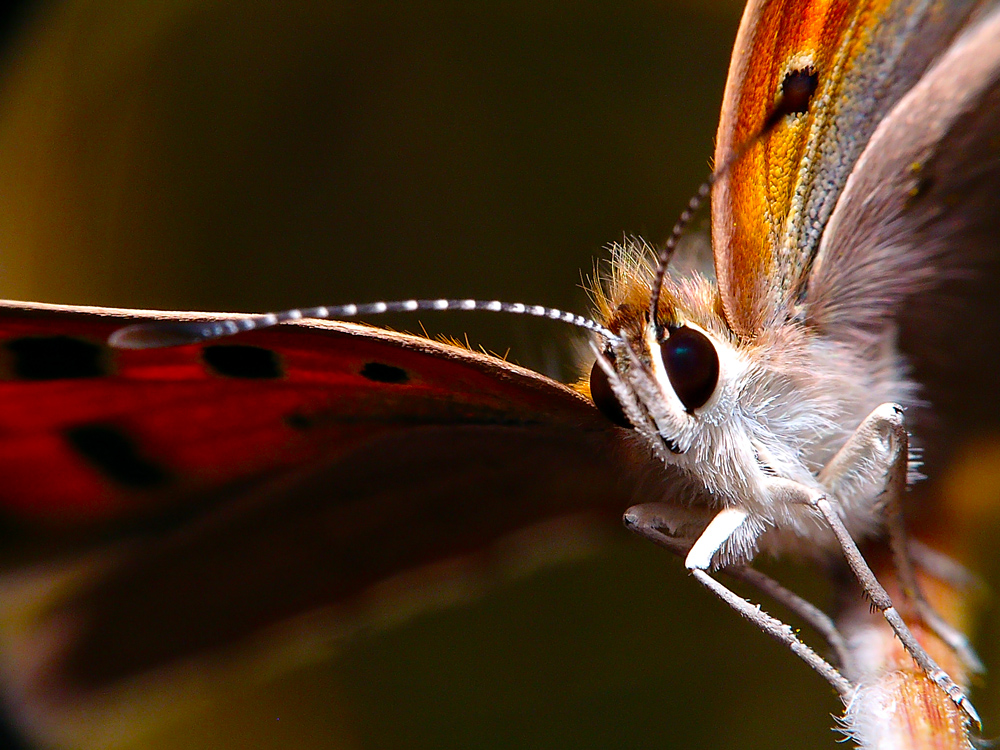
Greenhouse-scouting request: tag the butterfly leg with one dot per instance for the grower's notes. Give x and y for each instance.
(903, 556)
(880, 441)
(648, 521)
(883, 434)
(819, 620)
(880, 599)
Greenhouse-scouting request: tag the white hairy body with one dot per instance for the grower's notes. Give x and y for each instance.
(785, 405)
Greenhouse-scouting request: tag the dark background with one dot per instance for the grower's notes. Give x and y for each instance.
(252, 156)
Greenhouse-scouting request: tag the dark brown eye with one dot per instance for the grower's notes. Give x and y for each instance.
(605, 399)
(692, 365)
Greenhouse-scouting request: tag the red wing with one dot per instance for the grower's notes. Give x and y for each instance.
(92, 434)
(270, 474)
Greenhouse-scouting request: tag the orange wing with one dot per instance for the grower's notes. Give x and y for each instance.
(251, 480)
(769, 212)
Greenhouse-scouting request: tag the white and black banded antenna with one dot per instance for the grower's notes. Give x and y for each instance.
(797, 89)
(179, 333)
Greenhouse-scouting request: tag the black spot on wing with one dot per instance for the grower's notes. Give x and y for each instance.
(300, 422)
(240, 361)
(55, 358)
(116, 455)
(383, 373)
(797, 89)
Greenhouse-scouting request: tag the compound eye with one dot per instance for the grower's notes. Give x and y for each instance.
(604, 398)
(692, 365)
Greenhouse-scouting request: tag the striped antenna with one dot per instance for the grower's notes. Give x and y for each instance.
(165, 333)
(666, 253)
(797, 89)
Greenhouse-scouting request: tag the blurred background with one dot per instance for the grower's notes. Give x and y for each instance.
(252, 155)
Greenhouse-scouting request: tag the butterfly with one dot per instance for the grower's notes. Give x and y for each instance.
(752, 412)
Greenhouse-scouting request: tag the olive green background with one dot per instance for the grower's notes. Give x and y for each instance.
(254, 155)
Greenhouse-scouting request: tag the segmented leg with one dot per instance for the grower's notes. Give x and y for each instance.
(882, 438)
(902, 551)
(646, 521)
(819, 620)
(880, 599)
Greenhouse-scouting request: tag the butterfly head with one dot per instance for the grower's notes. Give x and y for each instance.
(729, 410)
(662, 376)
